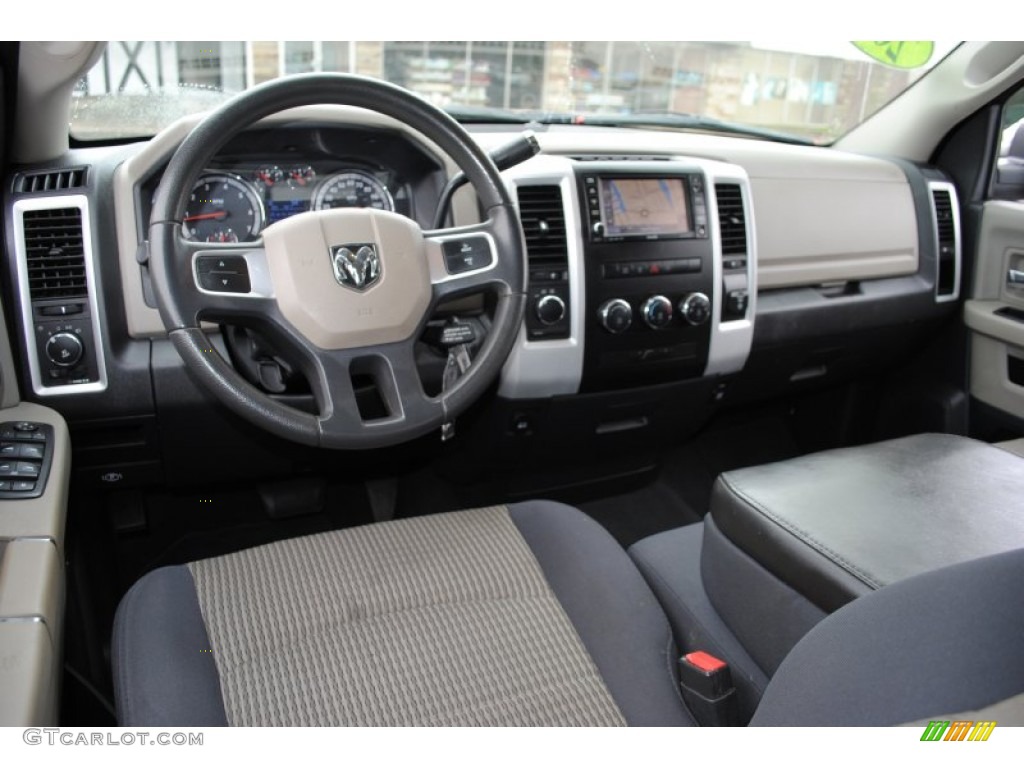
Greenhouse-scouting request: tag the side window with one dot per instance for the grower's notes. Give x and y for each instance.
(1010, 164)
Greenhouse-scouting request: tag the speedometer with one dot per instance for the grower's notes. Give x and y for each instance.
(223, 209)
(352, 189)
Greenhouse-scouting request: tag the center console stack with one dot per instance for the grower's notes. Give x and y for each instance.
(641, 272)
(648, 270)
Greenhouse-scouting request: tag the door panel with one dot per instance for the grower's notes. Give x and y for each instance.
(997, 331)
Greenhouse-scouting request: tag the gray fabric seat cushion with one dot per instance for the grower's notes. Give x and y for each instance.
(445, 620)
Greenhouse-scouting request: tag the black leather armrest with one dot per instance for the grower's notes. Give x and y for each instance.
(838, 524)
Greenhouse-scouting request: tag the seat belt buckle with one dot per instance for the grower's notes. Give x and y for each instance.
(706, 685)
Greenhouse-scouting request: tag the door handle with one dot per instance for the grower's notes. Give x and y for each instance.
(1015, 277)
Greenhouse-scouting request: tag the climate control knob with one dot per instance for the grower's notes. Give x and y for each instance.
(657, 312)
(695, 308)
(615, 315)
(64, 349)
(550, 309)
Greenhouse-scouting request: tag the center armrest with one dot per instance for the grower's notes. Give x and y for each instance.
(839, 524)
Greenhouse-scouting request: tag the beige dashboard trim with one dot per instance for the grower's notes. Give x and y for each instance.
(816, 231)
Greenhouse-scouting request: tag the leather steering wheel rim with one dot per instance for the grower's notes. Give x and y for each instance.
(183, 305)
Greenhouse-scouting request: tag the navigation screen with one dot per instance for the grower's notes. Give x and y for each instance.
(644, 207)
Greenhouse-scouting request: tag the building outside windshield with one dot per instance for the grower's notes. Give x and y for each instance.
(816, 91)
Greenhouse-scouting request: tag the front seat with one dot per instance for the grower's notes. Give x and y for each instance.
(526, 615)
(529, 614)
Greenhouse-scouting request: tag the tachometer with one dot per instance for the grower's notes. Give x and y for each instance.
(352, 189)
(223, 209)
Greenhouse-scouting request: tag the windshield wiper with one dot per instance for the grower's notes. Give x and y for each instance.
(675, 120)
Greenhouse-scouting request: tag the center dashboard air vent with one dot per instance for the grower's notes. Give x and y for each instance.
(54, 253)
(543, 218)
(542, 213)
(732, 222)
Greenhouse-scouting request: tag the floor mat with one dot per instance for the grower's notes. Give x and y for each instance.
(691, 469)
(681, 494)
(632, 516)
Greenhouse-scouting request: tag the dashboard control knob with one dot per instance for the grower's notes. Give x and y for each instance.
(615, 315)
(550, 309)
(695, 308)
(64, 349)
(598, 229)
(657, 312)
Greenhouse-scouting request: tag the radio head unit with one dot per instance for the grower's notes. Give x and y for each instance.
(645, 206)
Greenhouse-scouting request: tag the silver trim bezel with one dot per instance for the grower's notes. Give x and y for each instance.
(25, 300)
(546, 367)
(945, 186)
(731, 340)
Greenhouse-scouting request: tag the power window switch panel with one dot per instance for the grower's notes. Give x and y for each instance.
(29, 451)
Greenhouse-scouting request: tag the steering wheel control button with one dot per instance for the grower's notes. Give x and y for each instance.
(695, 308)
(26, 426)
(466, 254)
(27, 469)
(23, 485)
(64, 349)
(550, 309)
(615, 315)
(223, 274)
(657, 312)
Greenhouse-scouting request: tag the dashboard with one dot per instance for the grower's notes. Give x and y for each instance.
(668, 273)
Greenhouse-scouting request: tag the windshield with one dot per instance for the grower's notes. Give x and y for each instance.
(812, 92)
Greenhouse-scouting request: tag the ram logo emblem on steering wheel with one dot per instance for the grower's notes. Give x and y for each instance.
(356, 265)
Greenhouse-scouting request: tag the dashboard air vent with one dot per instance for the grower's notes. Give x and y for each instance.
(732, 222)
(945, 229)
(543, 217)
(54, 253)
(48, 181)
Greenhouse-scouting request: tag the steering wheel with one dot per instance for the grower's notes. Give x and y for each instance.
(345, 291)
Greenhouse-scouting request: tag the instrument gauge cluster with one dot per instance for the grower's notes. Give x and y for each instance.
(235, 203)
